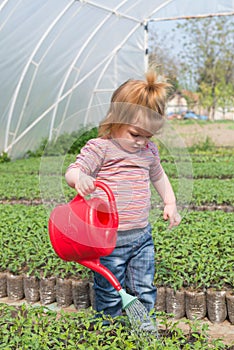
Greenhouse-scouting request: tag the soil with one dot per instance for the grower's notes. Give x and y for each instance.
(223, 331)
(220, 133)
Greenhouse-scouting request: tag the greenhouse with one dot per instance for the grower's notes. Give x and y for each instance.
(61, 60)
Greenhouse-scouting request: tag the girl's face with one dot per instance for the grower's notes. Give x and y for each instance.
(131, 138)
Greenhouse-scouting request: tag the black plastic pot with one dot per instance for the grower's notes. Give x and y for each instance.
(15, 289)
(47, 290)
(161, 299)
(31, 289)
(175, 302)
(63, 292)
(195, 304)
(216, 305)
(80, 294)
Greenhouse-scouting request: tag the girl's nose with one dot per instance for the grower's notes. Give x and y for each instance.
(141, 141)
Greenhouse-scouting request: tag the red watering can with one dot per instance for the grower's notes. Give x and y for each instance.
(84, 230)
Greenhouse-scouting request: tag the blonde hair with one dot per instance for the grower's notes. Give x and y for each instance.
(136, 102)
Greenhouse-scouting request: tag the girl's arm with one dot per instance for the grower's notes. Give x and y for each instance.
(166, 192)
(89, 160)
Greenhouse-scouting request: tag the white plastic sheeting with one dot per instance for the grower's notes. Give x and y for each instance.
(60, 60)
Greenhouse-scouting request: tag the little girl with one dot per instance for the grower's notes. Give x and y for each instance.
(125, 159)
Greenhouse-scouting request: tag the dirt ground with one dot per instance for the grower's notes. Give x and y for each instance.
(220, 133)
(223, 331)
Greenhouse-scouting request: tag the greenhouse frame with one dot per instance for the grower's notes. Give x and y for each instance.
(60, 60)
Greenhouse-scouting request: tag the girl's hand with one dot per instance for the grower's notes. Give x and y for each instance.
(84, 184)
(171, 213)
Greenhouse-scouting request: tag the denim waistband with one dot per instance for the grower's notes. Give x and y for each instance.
(125, 237)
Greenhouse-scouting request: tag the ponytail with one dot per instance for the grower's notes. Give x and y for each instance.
(130, 96)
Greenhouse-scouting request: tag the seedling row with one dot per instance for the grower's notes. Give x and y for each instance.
(199, 253)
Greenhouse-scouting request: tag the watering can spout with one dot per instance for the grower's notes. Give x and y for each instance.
(95, 265)
(127, 299)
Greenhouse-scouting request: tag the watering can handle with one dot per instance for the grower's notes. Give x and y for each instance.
(111, 199)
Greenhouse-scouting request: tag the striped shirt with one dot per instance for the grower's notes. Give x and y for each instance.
(127, 174)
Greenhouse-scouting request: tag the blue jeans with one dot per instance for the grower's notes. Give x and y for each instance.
(132, 263)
